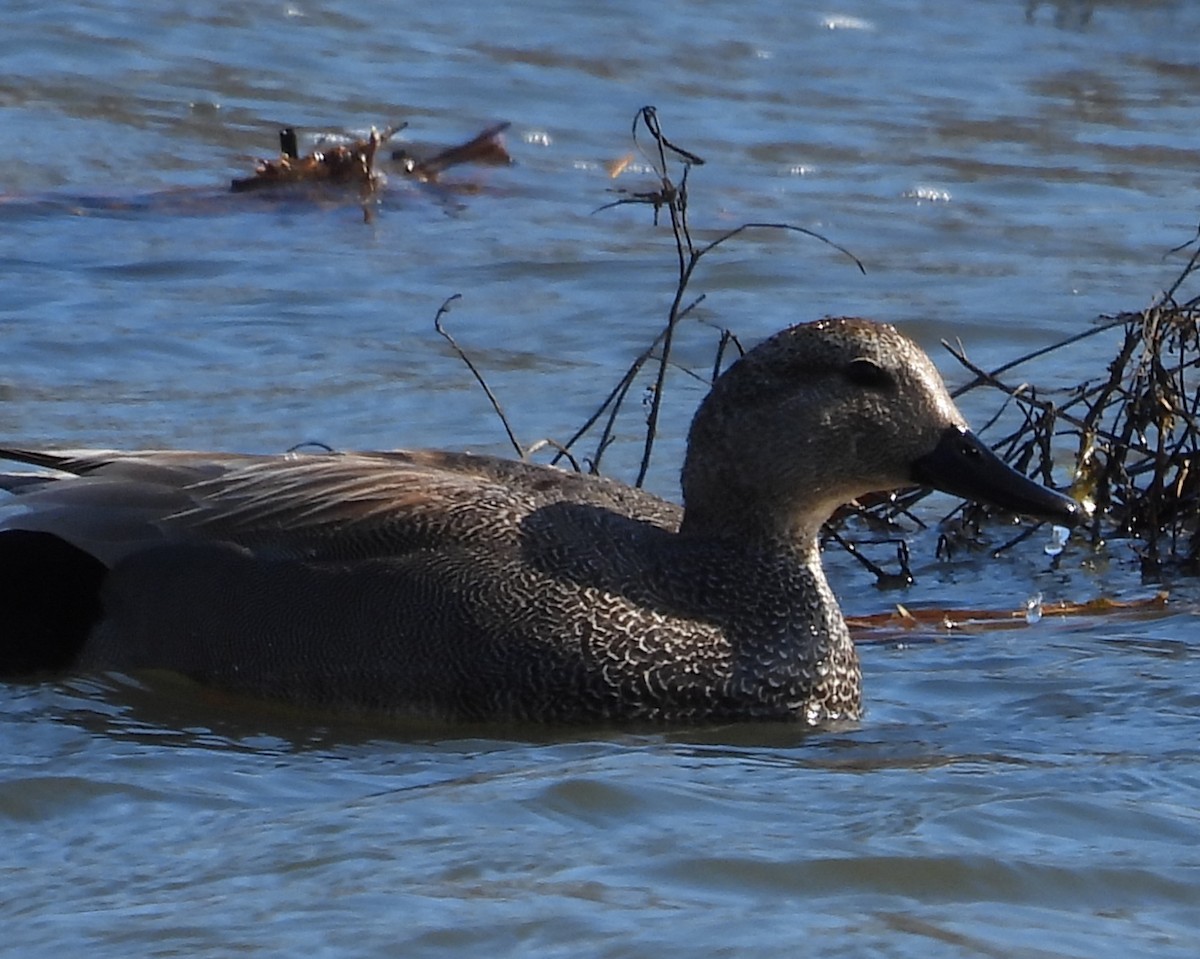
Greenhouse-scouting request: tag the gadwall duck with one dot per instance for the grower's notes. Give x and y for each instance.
(470, 587)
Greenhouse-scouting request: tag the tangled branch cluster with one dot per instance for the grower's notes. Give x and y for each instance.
(1132, 436)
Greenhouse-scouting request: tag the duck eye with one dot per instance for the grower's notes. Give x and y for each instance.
(868, 373)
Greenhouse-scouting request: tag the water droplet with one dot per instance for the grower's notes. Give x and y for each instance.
(1058, 539)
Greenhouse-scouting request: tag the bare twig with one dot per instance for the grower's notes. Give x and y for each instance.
(1136, 431)
(673, 198)
(983, 378)
(462, 355)
(730, 234)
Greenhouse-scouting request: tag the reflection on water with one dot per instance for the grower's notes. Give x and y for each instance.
(1005, 176)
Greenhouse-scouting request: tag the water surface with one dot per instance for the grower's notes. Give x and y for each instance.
(1005, 171)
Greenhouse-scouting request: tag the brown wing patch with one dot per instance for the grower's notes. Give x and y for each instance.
(322, 492)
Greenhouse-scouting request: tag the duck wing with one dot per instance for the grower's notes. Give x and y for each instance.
(312, 505)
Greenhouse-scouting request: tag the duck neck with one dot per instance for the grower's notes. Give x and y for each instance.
(732, 514)
(788, 634)
(791, 652)
(729, 495)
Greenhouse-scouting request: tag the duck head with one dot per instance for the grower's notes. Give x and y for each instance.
(824, 412)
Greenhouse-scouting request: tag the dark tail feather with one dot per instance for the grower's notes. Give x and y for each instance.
(49, 600)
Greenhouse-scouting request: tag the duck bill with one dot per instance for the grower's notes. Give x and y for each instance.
(963, 465)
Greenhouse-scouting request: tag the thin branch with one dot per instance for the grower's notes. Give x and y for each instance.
(989, 379)
(783, 226)
(437, 325)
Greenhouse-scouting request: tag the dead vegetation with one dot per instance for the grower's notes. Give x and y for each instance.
(900, 622)
(353, 162)
(348, 164)
(486, 148)
(1129, 438)
(671, 197)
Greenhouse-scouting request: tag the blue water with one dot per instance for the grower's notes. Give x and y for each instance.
(1006, 171)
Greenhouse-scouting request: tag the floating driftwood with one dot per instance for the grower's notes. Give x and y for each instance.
(354, 163)
(484, 149)
(350, 163)
(882, 627)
